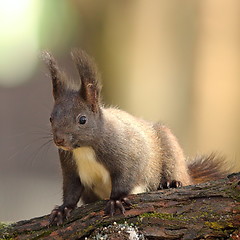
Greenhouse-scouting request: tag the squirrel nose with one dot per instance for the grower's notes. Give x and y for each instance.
(59, 141)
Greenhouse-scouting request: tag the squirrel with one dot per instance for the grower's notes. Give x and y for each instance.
(106, 153)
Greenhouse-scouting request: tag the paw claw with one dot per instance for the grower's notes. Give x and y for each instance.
(113, 205)
(59, 214)
(165, 185)
(176, 184)
(170, 184)
(127, 201)
(120, 206)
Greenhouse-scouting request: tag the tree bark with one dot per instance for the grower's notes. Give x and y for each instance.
(205, 211)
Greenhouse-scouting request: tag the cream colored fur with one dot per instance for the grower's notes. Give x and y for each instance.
(93, 174)
(139, 189)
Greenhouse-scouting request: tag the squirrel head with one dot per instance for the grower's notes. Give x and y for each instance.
(76, 115)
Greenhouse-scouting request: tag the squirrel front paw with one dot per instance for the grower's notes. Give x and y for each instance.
(59, 214)
(170, 184)
(113, 205)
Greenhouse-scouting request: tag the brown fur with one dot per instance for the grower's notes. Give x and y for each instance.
(112, 154)
(204, 168)
(174, 163)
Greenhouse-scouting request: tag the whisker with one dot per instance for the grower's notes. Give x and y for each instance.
(26, 147)
(40, 148)
(36, 131)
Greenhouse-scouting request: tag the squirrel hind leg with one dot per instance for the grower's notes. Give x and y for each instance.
(174, 167)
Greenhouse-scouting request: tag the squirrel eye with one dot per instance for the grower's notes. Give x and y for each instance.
(82, 120)
(50, 119)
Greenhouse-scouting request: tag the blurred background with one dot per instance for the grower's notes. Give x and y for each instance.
(172, 61)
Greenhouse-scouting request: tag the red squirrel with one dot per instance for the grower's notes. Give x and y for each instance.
(106, 153)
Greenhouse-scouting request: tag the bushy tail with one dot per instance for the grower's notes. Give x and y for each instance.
(205, 168)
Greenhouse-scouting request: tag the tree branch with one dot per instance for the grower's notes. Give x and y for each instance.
(206, 211)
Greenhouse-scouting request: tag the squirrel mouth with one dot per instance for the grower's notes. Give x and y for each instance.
(65, 148)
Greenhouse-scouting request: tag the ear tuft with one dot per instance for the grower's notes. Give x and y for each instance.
(46, 57)
(56, 75)
(51, 62)
(90, 83)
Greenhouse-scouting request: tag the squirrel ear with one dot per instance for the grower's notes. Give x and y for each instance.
(56, 74)
(90, 87)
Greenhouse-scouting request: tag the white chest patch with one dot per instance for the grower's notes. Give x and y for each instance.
(92, 173)
(139, 189)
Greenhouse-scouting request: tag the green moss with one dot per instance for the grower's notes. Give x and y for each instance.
(164, 216)
(219, 225)
(167, 216)
(178, 217)
(205, 214)
(4, 225)
(214, 225)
